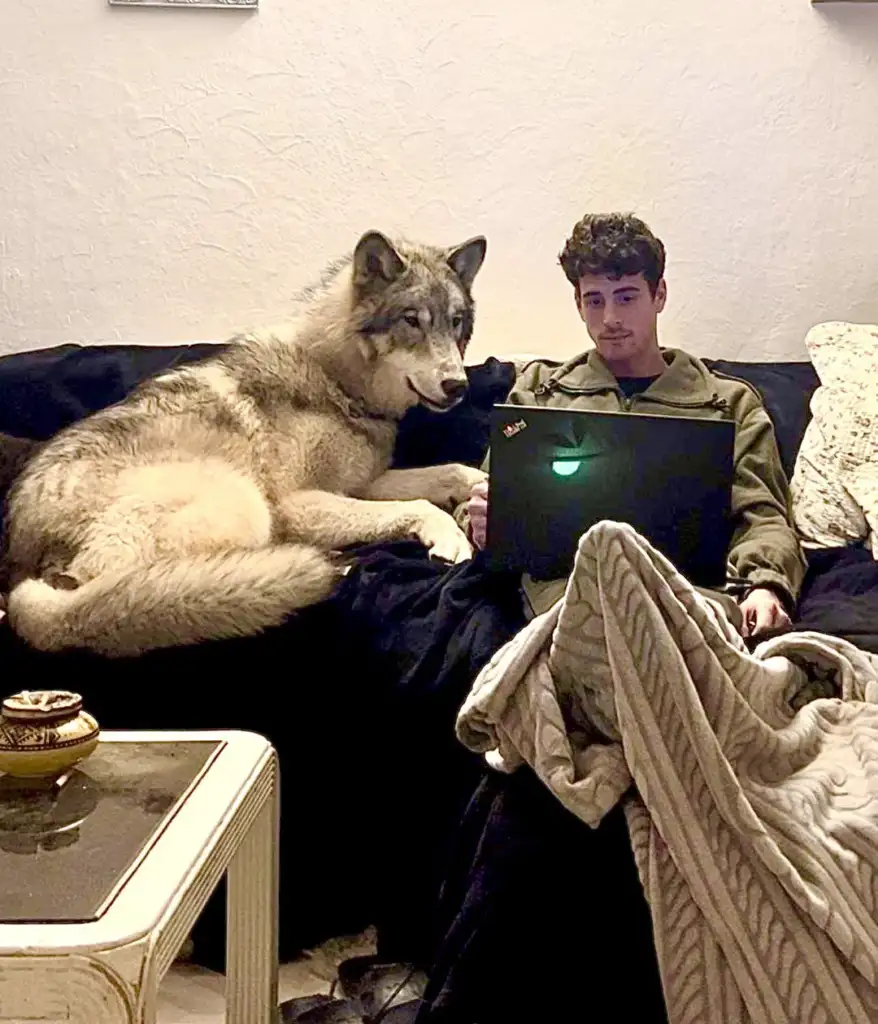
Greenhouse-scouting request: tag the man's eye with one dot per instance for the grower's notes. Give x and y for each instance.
(411, 319)
(594, 303)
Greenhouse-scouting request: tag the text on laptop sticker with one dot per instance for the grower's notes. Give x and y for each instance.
(511, 429)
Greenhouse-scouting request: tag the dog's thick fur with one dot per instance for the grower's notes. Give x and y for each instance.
(206, 504)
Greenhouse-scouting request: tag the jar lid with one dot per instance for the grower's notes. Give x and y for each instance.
(42, 705)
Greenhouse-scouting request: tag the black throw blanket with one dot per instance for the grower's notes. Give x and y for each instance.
(424, 632)
(537, 912)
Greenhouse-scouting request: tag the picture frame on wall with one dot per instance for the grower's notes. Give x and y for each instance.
(214, 4)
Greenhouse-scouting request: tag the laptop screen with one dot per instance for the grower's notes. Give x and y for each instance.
(557, 472)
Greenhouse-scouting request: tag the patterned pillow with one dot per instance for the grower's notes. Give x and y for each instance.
(835, 484)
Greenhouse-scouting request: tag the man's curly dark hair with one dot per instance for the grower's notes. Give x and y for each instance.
(613, 244)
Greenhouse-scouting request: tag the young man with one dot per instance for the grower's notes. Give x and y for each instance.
(616, 266)
(518, 941)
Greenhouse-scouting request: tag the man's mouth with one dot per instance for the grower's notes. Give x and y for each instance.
(431, 404)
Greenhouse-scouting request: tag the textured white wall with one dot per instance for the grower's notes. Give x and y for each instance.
(171, 175)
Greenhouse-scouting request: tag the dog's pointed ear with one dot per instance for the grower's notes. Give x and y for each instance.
(376, 261)
(466, 260)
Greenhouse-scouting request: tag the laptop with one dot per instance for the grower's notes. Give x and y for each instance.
(556, 472)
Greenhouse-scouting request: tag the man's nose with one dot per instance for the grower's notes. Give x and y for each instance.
(611, 314)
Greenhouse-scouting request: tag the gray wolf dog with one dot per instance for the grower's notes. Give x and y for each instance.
(209, 502)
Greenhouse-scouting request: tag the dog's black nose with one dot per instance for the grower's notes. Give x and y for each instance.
(454, 388)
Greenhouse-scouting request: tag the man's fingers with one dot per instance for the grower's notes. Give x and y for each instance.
(757, 617)
(749, 621)
(477, 506)
(764, 619)
(763, 612)
(768, 619)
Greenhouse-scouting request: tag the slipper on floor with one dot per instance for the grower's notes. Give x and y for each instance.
(351, 973)
(390, 990)
(405, 1013)
(343, 1011)
(320, 1009)
(379, 985)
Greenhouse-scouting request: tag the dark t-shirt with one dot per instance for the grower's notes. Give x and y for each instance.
(632, 386)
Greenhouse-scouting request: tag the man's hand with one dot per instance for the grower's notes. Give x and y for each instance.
(762, 612)
(477, 507)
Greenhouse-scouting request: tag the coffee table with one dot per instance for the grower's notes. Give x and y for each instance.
(102, 877)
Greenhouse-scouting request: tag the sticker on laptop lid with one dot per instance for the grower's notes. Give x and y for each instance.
(511, 429)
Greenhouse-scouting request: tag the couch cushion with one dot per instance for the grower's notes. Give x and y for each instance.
(835, 485)
(45, 390)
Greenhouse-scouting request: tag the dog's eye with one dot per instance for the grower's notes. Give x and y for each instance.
(457, 321)
(412, 319)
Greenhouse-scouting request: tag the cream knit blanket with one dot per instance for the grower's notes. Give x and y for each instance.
(755, 817)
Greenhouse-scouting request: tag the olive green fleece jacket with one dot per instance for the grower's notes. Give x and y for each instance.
(765, 549)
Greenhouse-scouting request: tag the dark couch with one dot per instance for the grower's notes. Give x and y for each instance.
(332, 787)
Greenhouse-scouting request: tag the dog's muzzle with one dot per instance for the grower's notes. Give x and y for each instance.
(453, 390)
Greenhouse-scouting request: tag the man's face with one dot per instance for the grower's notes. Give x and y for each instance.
(620, 314)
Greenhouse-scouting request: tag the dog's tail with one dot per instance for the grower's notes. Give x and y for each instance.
(172, 602)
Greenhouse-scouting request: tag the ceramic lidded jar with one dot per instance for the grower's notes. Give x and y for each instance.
(44, 733)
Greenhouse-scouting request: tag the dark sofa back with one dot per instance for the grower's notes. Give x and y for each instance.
(786, 389)
(43, 391)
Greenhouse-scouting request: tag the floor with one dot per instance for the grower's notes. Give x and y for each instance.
(193, 995)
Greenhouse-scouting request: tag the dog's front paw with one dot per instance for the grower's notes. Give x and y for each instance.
(455, 484)
(442, 537)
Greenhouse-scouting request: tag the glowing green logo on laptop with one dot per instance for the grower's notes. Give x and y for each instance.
(566, 467)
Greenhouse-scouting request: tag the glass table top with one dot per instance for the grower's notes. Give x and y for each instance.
(66, 849)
